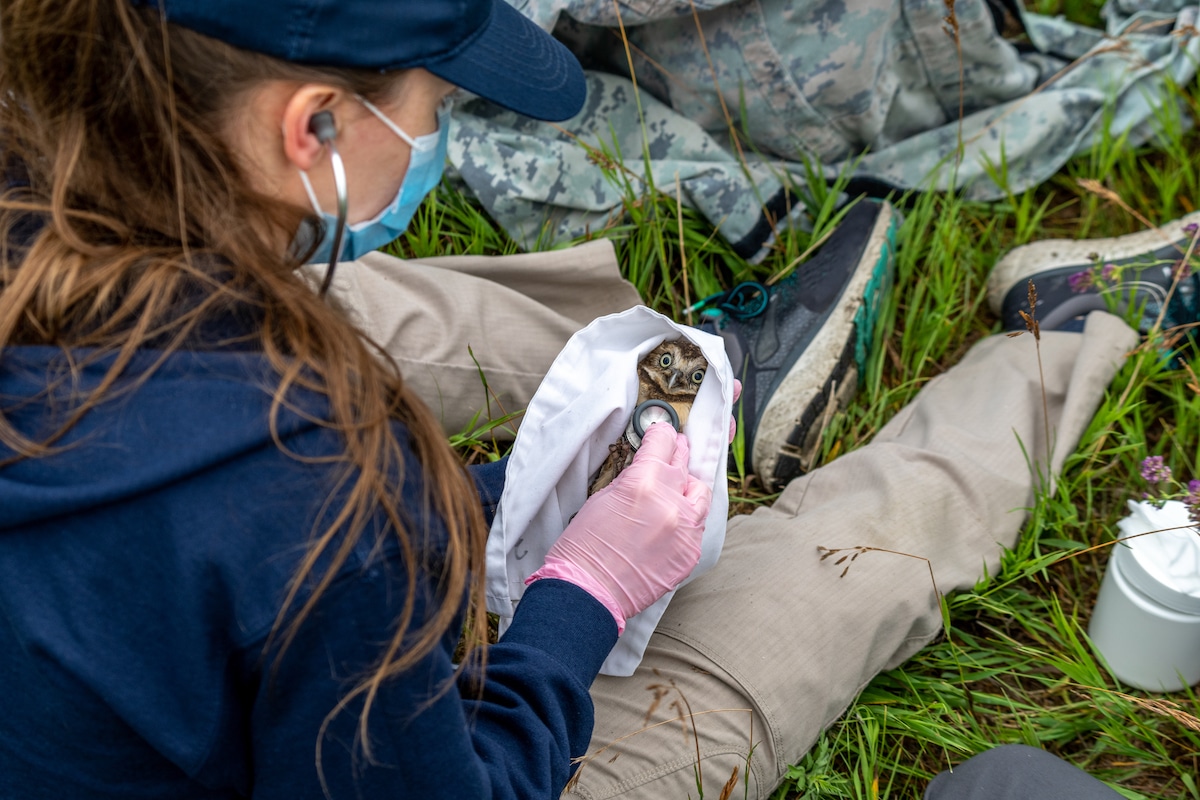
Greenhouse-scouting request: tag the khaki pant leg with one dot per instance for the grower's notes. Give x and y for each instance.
(775, 630)
(514, 313)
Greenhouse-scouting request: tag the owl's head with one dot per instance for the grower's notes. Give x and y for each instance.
(674, 369)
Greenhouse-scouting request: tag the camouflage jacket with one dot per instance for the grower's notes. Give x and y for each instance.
(734, 105)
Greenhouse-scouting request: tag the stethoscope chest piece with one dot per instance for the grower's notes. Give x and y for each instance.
(649, 413)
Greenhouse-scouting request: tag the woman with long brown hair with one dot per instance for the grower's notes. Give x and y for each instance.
(236, 552)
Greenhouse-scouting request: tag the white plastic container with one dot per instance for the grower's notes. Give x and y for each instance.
(1146, 622)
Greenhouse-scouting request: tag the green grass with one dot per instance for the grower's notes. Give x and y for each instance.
(1016, 666)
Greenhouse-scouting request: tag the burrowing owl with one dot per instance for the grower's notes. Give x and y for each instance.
(671, 373)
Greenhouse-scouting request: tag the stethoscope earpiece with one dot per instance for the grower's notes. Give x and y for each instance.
(322, 126)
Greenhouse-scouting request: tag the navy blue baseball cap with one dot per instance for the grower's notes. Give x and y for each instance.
(484, 46)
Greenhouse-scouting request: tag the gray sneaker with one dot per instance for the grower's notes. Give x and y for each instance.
(799, 346)
(1130, 274)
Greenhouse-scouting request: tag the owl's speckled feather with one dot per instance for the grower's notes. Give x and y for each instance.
(671, 372)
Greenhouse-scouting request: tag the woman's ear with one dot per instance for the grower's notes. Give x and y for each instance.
(304, 141)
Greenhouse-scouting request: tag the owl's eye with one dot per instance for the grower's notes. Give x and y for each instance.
(664, 360)
(698, 376)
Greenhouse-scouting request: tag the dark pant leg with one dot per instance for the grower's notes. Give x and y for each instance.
(1017, 772)
(489, 482)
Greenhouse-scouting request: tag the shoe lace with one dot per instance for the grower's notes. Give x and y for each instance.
(1182, 312)
(745, 300)
(1183, 309)
(1146, 296)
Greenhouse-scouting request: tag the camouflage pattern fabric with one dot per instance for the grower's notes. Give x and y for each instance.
(870, 86)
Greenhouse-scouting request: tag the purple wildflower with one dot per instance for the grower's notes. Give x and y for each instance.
(1191, 228)
(1109, 272)
(1154, 470)
(1192, 501)
(1080, 281)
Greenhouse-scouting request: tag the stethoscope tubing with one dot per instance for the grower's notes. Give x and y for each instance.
(343, 202)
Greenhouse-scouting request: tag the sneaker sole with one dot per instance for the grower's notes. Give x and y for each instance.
(1030, 259)
(798, 410)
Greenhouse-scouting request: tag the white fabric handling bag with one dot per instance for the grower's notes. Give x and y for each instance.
(582, 406)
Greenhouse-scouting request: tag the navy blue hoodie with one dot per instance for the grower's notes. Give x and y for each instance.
(142, 567)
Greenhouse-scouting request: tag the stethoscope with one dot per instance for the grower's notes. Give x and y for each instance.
(323, 127)
(640, 422)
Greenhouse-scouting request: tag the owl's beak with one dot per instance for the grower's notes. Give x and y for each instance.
(676, 376)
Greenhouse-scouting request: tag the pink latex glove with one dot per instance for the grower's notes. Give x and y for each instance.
(639, 537)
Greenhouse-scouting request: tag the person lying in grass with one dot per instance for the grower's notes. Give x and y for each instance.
(236, 550)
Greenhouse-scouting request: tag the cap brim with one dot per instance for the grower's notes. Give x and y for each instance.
(516, 64)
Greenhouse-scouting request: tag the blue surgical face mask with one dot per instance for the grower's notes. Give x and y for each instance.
(422, 177)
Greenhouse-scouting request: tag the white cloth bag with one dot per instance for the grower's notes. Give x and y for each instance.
(582, 407)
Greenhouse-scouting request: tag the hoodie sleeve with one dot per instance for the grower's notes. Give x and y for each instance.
(434, 732)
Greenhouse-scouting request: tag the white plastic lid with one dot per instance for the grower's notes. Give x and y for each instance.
(1166, 565)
